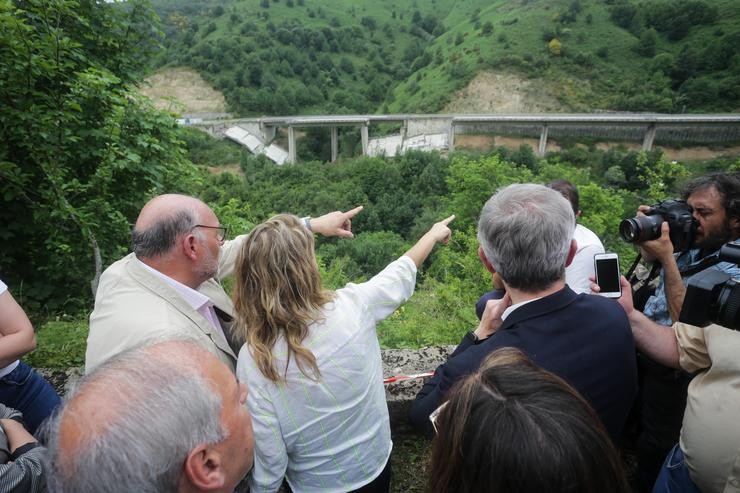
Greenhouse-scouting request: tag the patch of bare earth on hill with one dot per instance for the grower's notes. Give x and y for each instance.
(493, 92)
(485, 143)
(225, 168)
(183, 90)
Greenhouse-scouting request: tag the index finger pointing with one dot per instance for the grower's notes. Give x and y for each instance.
(352, 213)
(448, 220)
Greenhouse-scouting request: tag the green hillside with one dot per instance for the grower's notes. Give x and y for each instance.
(308, 56)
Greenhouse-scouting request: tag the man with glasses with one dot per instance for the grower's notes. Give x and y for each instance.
(169, 285)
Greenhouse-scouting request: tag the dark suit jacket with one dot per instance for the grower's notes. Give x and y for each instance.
(584, 339)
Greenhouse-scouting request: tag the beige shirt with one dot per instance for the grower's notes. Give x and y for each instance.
(710, 436)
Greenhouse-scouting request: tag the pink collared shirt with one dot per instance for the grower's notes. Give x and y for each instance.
(197, 300)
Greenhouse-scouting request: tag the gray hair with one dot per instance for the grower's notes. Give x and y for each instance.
(163, 408)
(161, 236)
(526, 232)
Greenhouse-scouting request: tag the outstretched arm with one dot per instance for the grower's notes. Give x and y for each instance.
(335, 223)
(657, 341)
(439, 233)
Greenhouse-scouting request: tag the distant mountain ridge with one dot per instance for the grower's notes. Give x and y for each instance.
(356, 56)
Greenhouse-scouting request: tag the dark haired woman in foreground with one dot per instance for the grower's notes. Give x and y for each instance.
(312, 361)
(514, 427)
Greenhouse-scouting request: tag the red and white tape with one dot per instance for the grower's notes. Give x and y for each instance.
(399, 378)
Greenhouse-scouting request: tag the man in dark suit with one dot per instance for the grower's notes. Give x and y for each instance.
(525, 234)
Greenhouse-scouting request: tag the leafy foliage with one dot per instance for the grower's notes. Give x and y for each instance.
(353, 56)
(78, 149)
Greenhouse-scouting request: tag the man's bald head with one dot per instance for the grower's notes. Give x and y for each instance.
(132, 422)
(162, 220)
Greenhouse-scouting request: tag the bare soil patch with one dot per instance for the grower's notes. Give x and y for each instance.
(493, 92)
(183, 90)
(225, 168)
(488, 142)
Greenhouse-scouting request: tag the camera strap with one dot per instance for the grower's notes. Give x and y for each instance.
(699, 266)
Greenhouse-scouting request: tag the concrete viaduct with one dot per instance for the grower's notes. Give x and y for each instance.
(438, 131)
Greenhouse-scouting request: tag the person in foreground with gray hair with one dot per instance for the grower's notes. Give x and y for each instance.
(169, 286)
(525, 233)
(165, 417)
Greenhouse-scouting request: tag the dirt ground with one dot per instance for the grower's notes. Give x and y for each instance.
(488, 142)
(492, 92)
(183, 90)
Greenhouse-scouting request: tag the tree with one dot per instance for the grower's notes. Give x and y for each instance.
(79, 151)
(487, 28)
(554, 46)
(369, 23)
(646, 45)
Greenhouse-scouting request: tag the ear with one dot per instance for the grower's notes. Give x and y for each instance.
(571, 252)
(484, 259)
(735, 226)
(203, 468)
(189, 244)
(578, 214)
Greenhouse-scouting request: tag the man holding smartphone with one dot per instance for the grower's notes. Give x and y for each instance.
(526, 237)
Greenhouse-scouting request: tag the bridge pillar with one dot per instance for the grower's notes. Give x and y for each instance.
(268, 133)
(543, 141)
(291, 144)
(365, 138)
(451, 137)
(647, 141)
(334, 143)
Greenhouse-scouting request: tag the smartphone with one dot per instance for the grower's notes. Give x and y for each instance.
(606, 266)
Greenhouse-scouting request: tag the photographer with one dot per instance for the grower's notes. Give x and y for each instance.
(714, 200)
(707, 458)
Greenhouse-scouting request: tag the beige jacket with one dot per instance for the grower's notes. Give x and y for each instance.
(133, 305)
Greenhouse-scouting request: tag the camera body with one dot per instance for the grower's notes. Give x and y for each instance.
(713, 296)
(678, 215)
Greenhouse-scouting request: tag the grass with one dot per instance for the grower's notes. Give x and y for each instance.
(59, 344)
(428, 319)
(435, 315)
(409, 462)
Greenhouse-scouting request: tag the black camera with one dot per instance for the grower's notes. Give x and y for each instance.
(713, 296)
(677, 213)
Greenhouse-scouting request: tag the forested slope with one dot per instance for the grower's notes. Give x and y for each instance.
(311, 56)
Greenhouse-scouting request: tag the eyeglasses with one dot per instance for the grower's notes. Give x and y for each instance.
(222, 230)
(435, 414)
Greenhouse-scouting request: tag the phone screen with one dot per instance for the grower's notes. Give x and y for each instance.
(607, 274)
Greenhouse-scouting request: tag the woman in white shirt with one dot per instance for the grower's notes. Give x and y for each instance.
(312, 361)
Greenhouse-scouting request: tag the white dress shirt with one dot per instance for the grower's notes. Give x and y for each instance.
(332, 435)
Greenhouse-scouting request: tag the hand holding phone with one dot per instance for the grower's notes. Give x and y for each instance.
(606, 266)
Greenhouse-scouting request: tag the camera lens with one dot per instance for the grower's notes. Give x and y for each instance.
(640, 228)
(629, 230)
(728, 306)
